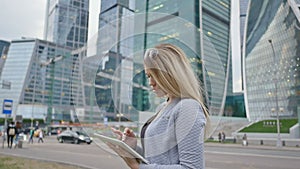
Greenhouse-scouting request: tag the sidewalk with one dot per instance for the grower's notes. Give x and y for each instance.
(264, 147)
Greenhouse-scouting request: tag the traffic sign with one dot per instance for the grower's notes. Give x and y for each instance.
(7, 106)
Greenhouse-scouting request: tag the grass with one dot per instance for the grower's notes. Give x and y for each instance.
(10, 162)
(269, 126)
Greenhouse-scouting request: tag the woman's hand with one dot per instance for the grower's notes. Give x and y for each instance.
(127, 157)
(127, 137)
(132, 162)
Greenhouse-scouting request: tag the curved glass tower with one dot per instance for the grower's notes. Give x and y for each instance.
(271, 59)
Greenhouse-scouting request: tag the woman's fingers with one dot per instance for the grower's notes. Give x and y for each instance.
(118, 132)
(129, 132)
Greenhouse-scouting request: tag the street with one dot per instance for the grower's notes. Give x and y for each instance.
(252, 157)
(218, 156)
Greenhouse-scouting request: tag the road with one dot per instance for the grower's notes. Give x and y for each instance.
(217, 156)
(252, 157)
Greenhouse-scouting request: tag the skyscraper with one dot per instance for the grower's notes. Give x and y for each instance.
(4, 46)
(114, 59)
(209, 51)
(67, 22)
(202, 31)
(271, 59)
(41, 74)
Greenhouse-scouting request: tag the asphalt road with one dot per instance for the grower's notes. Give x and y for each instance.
(251, 157)
(218, 156)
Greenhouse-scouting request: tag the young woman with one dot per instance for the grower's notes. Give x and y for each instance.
(174, 137)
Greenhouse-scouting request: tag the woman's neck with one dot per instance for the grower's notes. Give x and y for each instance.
(170, 99)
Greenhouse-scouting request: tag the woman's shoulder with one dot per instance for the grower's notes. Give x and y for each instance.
(188, 102)
(189, 107)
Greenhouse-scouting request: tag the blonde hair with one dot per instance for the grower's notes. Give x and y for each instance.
(169, 67)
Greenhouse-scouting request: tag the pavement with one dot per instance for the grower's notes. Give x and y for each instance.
(264, 147)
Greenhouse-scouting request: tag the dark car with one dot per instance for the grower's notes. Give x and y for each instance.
(75, 137)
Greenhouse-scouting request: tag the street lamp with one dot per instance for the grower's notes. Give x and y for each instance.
(278, 144)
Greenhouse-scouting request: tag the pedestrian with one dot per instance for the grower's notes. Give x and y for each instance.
(223, 137)
(41, 136)
(18, 131)
(220, 137)
(3, 137)
(11, 132)
(31, 133)
(174, 136)
(245, 141)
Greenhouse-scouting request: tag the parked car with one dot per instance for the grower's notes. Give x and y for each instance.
(75, 137)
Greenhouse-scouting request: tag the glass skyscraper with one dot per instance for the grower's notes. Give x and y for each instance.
(67, 22)
(209, 51)
(107, 87)
(4, 46)
(42, 76)
(271, 59)
(203, 31)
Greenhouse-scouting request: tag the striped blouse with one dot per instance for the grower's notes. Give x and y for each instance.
(175, 138)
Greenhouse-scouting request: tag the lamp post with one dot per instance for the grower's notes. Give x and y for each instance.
(31, 124)
(278, 144)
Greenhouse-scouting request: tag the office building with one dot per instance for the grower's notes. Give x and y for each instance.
(271, 59)
(201, 28)
(66, 22)
(43, 77)
(110, 69)
(4, 46)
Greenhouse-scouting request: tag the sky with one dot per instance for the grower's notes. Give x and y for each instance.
(22, 18)
(26, 18)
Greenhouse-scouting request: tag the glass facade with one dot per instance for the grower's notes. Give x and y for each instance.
(216, 26)
(108, 87)
(67, 22)
(210, 46)
(42, 76)
(271, 60)
(243, 14)
(4, 46)
(202, 32)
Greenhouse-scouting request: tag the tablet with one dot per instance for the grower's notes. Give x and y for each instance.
(120, 143)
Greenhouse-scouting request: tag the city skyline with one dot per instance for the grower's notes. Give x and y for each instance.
(31, 15)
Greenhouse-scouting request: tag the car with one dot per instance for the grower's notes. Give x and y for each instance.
(75, 137)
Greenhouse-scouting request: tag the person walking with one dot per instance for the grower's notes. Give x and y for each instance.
(223, 137)
(41, 136)
(174, 136)
(245, 141)
(220, 137)
(31, 133)
(11, 132)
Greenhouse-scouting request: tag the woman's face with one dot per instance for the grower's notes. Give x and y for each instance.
(154, 86)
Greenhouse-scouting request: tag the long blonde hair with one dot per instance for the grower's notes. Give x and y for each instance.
(172, 71)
